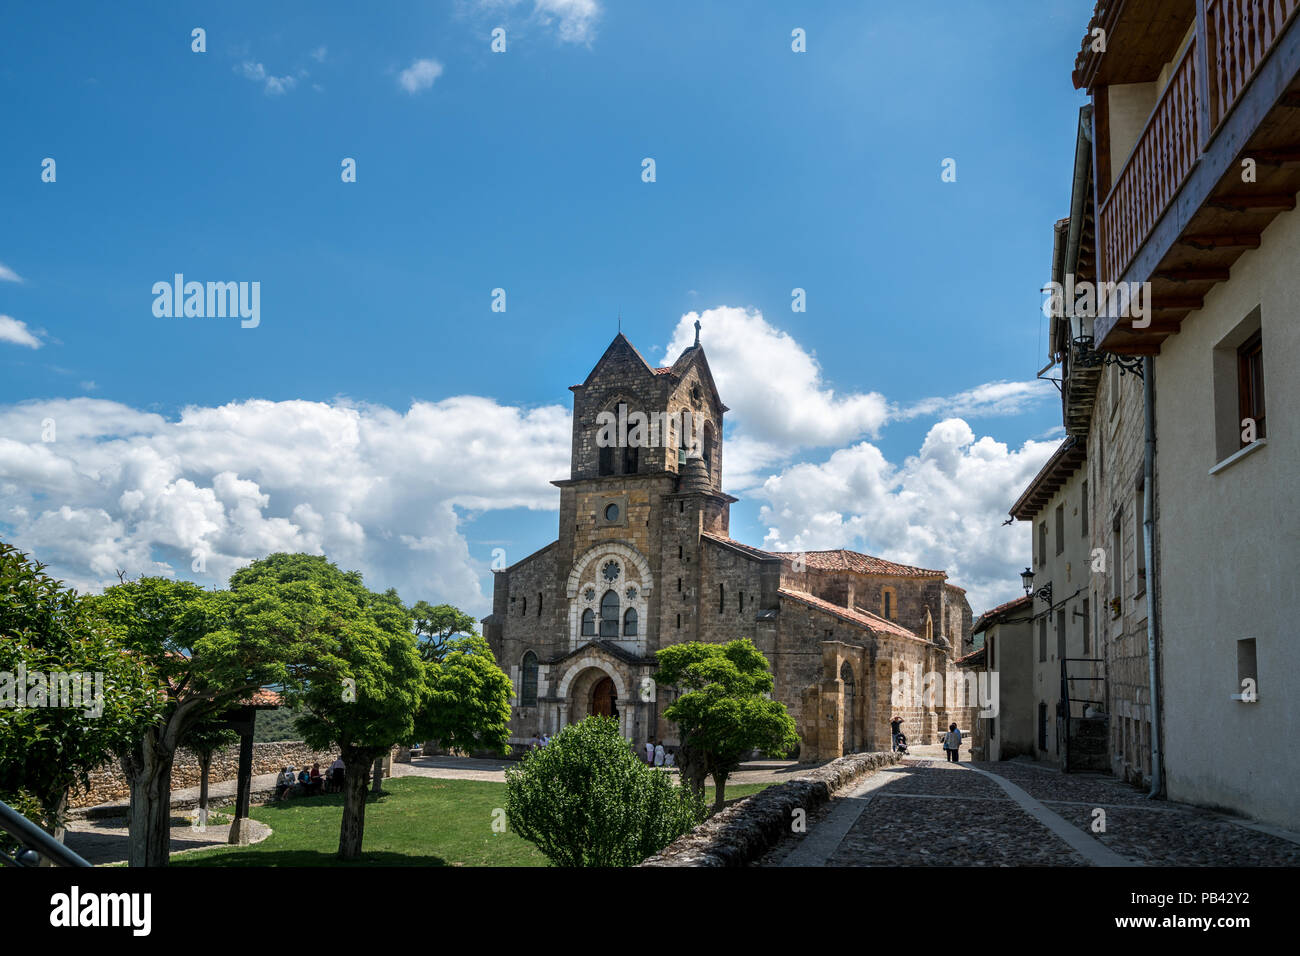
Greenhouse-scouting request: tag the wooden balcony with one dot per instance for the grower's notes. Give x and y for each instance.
(1180, 211)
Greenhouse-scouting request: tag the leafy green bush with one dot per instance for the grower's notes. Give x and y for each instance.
(586, 800)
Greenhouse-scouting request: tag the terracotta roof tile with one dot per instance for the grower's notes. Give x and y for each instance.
(264, 697)
(751, 551)
(989, 616)
(842, 560)
(856, 615)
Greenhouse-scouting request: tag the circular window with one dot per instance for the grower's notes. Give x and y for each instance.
(611, 512)
(589, 594)
(610, 570)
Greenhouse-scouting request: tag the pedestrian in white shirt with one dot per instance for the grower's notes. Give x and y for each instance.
(649, 752)
(952, 743)
(659, 754)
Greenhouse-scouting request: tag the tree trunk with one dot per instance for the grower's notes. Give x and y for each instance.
(205, 764)
(693, 768)
(149, 772)
(54, 820)
(377, 776)
(353, 826)
(719, 790)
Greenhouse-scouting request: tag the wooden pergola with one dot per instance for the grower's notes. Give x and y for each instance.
(240, 719)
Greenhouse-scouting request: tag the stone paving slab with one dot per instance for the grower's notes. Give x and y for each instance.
(104, 841)
(1046, 785)
(944, 779)
(933, 813)
(1187, 836)
(949, 831)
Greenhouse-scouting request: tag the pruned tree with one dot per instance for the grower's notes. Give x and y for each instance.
(204, 666)
(725, 709)
(356, 674)
(70, 693)
(436, 626)
(468, 707)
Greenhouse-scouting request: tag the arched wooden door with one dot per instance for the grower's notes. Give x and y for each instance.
(604, 700)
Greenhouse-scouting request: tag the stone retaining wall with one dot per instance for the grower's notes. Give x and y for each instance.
(108, 783)
(742, 833)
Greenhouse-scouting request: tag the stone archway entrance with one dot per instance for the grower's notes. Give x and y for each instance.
(850, 709)
(600, 691)
(604, 699)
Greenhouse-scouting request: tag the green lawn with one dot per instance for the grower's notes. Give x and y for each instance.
(419, 821)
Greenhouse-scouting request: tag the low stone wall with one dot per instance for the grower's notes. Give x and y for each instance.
(108, 783)
(742, 833)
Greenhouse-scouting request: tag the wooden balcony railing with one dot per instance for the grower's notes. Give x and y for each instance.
(1155, 169)
(1238, 35)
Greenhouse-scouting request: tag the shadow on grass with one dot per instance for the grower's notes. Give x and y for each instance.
(305, 858)
(320, 800)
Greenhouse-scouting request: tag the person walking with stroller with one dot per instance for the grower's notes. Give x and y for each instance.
(952, 743)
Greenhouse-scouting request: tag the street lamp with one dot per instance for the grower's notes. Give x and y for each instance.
(1027, 580)
(1084, 355)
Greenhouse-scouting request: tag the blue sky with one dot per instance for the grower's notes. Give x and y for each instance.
(522, 171)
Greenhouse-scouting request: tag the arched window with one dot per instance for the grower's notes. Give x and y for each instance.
(528, 688)
(722, 597)
(525, 608)
(539, 603)
(630, 459)
(708, 447)
(629, 622)
(609, 615)
(588, 623)
(606, 464)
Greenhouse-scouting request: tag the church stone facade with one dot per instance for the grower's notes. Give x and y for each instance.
(644, 560)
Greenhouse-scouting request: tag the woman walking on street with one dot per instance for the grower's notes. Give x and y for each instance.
(952, 743)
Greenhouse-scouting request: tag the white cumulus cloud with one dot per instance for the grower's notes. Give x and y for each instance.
(15, 331)
(271, 85)
(95, 486)
(373, 488)
(781, 404)
(571, 21)
(419, 75)
(943, 507)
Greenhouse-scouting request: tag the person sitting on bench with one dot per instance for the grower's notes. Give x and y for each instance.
(283, 783)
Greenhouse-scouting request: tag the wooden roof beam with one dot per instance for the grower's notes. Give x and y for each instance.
(1221, 241)
(1200, 274)
(1243, 203)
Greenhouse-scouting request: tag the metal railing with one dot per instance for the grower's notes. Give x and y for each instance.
(36, 842)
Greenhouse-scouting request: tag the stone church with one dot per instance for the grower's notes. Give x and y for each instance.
(644, 560)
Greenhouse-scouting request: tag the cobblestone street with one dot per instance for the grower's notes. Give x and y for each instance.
(926, 812)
